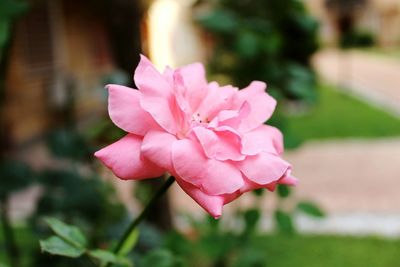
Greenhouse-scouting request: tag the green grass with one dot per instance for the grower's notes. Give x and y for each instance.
(329, 251)
(386, 53)
(338, 115)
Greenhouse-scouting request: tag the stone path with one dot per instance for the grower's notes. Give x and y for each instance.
(373, 77)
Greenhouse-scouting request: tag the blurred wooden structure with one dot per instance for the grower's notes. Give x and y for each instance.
(62, 51)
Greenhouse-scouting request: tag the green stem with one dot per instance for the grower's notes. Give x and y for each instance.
(143, 214)
(9, 239)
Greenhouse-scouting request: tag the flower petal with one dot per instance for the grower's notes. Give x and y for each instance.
(194, 81)
(125, 110)
(149, 81)
(217, 99)
(212, 204)
(212, 176)
(262, 105)
(123, 158)
(262, 139)
(220, 145)
(263, 168)
(157, 147)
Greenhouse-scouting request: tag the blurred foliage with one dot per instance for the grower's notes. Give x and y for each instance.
(270, 41)
(357, 38)
(9, 10)
(74, 192)
(15, 175)
(70, 242)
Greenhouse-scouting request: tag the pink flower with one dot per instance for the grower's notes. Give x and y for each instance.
(210, 137)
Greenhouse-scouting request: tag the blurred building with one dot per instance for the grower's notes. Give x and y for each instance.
(379, 17)
(61, 55)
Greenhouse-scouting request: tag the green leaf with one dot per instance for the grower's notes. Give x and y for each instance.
(247, 44)
(3, 265)
(284, 222)
(223, 21)
(251, 218)
(4, 32)
(11, 8)
(16, 175)
(129, 243)
(57, 246)
(159, 258)
(105, 257)
(311, 209)
(67, 232)
(283, 191)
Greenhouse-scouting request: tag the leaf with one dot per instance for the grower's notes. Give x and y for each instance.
(57, 246)
(284, 222)
(311, 209)
(129, 243)
(4, 33)
(105, 257)
(3, 265)
(223, 21)
(247, 44)
(67, 232)
(16, 175)
(283, 191)
(159, 258)
(251, 218)
(11, 8)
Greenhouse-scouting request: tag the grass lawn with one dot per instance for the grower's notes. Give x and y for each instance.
(338, 115)
(330, 251)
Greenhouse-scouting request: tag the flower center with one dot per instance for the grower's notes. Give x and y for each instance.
(196, 117)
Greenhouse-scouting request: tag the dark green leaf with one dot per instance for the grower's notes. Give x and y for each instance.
(68, 232)
(247, 44)
(284, 222)
(15, 175)
(105, 257)
(57, 246)
(12, 8)
(251, 217)
(159, 258)
(283, 191)
(219, 21)
(4, 32)
(311, 209)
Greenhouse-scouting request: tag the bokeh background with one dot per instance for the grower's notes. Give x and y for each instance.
(333, 65)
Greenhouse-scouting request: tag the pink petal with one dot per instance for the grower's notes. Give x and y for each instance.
(194, 80)
(262, 105)
(150, 81)
(220, 145)
(212, 204)
(264, 138)
(263, 168)
(123, 158)
(158, 97)
(212, 176)
(125, 110)
(288, 179)
(157, 147)
(217, 99)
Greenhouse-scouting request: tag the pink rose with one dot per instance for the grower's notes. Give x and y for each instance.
(210, 137)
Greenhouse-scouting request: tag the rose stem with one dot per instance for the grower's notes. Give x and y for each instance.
(144, 212)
